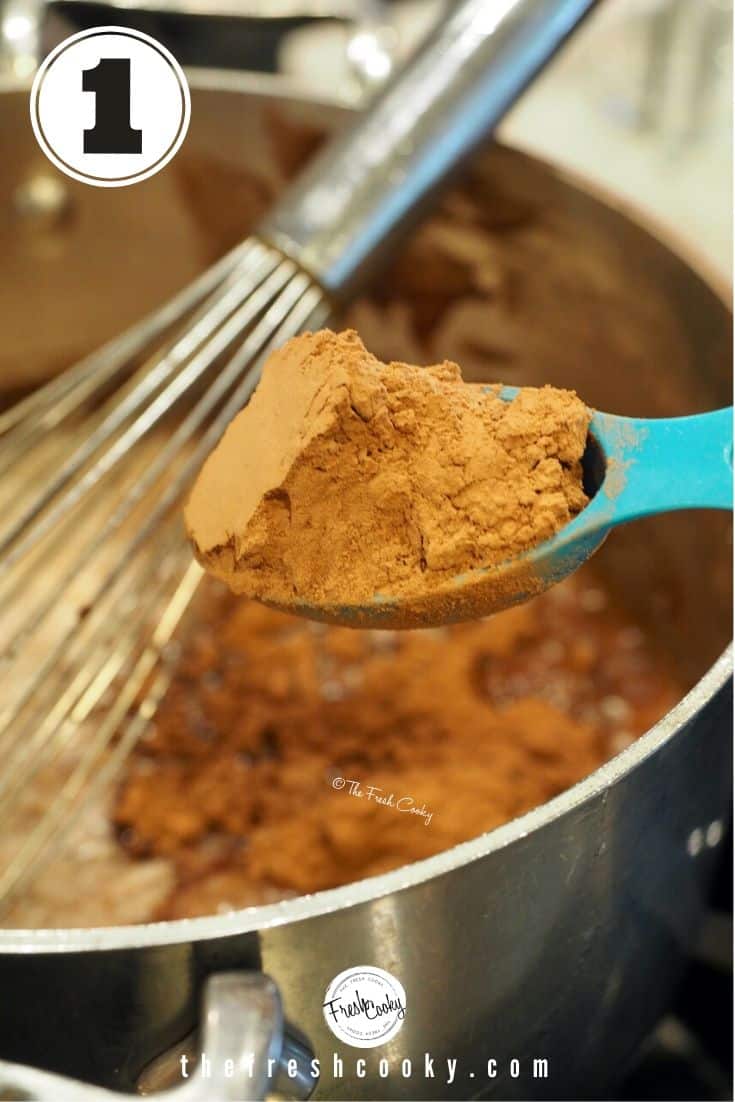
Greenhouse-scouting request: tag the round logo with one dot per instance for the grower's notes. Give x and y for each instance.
(365, 1006)
(110, 106)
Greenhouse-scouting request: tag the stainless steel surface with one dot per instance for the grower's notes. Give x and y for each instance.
(560, 934)
(238, 34)
(243, 1022)
(231, 34)
(343, 217)
(371, 45)
(20, 30)
(242, 1026)
(241, 9)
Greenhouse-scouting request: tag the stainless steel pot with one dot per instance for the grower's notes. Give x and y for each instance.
(558, 936)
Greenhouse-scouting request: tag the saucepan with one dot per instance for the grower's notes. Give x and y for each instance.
(558, 936)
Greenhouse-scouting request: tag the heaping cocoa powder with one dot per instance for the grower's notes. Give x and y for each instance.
(346, 477)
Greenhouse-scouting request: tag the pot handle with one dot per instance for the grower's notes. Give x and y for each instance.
(242, 1038)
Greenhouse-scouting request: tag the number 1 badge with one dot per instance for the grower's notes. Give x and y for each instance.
(110, 106)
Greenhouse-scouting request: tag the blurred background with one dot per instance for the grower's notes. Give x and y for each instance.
(640, 101)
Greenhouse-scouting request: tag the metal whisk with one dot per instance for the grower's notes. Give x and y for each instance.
(95, 571)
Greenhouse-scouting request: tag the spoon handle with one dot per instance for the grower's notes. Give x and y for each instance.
(659, 466)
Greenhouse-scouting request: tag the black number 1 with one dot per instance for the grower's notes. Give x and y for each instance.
(112, 132)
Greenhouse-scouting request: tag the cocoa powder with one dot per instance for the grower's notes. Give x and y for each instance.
(479, 722)
(346, 478)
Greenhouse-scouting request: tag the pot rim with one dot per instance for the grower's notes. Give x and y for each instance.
(252, 919)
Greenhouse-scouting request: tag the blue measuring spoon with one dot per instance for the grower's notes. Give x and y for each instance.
(632, 468)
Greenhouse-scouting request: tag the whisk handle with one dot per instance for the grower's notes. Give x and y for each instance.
(342, 217)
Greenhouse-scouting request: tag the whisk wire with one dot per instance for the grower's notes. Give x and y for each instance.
(104, 524)
(45, 408)
(158, 369)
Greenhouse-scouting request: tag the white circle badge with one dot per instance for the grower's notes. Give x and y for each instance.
(110, 106)
(365, 1006)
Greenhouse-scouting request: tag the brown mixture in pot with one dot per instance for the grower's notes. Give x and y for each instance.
(454, 731)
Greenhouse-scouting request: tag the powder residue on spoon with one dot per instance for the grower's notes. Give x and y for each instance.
(345, 477)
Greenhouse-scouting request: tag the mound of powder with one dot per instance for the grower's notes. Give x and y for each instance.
(345, 477)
